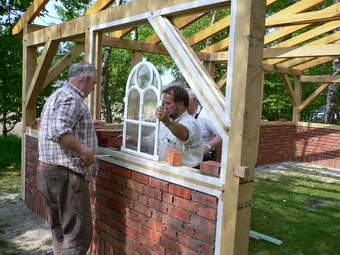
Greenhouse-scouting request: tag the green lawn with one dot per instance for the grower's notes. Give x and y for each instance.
(302, 210)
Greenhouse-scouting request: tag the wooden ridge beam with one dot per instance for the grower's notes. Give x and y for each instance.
(131, 14)
(321, 78)
(289, 88)
(316, 93)
(303, 51)
(63, 63)
(29, 15)
(327, 14)
(193, 71)
(98, 6)
(41, 71)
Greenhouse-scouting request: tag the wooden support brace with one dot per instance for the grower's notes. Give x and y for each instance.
(316, 93)
(289, 88)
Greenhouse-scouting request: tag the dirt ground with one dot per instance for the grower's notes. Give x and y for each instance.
(21, 231)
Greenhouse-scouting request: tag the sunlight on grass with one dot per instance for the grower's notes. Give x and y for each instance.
(303, 211)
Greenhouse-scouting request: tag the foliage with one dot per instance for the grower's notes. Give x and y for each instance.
(10, 151)
(281, 210)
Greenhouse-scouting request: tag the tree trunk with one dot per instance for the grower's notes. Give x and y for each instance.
(105, 86)
(331, 105)
(4, 125)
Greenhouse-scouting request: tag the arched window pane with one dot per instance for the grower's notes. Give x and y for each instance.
(143, 76)
(133, 79)
(154, 81)
(131, 136)
(148, 140)
(150, 104)
(133, 105)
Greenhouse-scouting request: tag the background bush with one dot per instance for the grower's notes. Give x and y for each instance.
(10, 151)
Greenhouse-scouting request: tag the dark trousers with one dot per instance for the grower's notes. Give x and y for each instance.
(66, 195)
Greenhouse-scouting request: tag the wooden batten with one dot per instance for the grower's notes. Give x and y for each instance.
(314, 62)
(297, 95)
(223, 81)
(321, 78)
(98, 6)
(246, 80)
(284, 70)
(97, 61)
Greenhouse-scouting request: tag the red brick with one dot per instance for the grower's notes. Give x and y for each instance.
(169, 243)
(189, 242)
(179, 191)
(179, 214)
(204, 199)
(162, 185)
(185, 204)
(142, 178)
(207, 249)
(207, 212)
(155, 225)
(210, 168)
(166, 197)
(203, 236)
(202, 224)
(136, 186)
(168, 220)
(188, 230)
(174, 157)
(143, 210)
(153, 193)
(150, 233)
(158, 205)
(170, 233)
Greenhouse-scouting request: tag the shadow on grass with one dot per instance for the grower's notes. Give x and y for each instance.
(279, 210)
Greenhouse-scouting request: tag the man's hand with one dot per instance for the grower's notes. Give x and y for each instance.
(99, 124)
(87, 155)
(162, 115)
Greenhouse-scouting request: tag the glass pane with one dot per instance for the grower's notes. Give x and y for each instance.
(131, 136)
(150, 104)
(154, 81)
(133, 105)
(143, 76)
(148, 140)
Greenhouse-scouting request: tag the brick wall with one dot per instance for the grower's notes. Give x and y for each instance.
(139, 214)
(319, 146)
(276, 143)
(32, 198)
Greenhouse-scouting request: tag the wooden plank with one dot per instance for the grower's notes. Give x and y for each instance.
(218, 56)
(131, 14)
(221, 45)
(179, 23)
(297, 95)
(29, 15)
(41, 71)
(327, 14)
(245, 75)
(193, 71)
(315, 94)
(63, 63)
(289, 88)
(321, 78)
(303, 51)
(223, 81)
(98, 6)
(314, 62)
(284, 70)
(121, 33)
(97, 58)
(307, 36)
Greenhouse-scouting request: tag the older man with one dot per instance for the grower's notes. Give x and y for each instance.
(178, 129)
(67, 147)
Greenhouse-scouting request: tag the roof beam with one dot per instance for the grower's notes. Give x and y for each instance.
(316, 93)
(314, 62)
(284, 70)
(304, 51)
(29, 15)
(130, 14)
(289, 88)
(321, 78)
(98, 6)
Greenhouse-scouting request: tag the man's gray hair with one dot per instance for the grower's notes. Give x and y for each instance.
(77, 69)
(191, 93)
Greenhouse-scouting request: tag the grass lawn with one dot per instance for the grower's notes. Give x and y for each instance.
(302, 210)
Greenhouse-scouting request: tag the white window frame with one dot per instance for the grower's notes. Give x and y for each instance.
(157, 90)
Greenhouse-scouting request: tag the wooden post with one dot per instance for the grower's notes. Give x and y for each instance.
(297, 95)
(97, 58)
(137, 57)
(211, 68)
(245, 87)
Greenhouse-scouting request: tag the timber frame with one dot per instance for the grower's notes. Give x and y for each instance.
(236, 113)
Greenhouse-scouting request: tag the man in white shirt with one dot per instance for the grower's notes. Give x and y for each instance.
(209, 134)
(178, 129)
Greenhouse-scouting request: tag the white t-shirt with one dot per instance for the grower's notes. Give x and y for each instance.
(192, 148)
(207, 128)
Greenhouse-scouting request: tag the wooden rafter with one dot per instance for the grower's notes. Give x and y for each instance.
(321, 78)
(316, 93)
(29, 15)
(283, 70)
(98, 6)
(222, 82)
(133, 17)
(63, 63)
(289, 88)
(41, 71)
(193, 71)
(314, 62)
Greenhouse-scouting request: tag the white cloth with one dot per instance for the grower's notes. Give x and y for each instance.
(192, 148)
(207, 128)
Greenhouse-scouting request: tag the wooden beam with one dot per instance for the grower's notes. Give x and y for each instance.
(131, 14)
(307, 36)
(218, 56)
(316, 93)
(321, 78)
(221, 45)
(327, 14)
(41, 71)
(284, 70)
(179, 23)
(297, 95)
(193, 71)
(98, 6)
(245, 75)
(314, 62)
(29, 15)
(289, 88)
(223, 81)
(97, 61)
(303, 51)
(63, 63)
